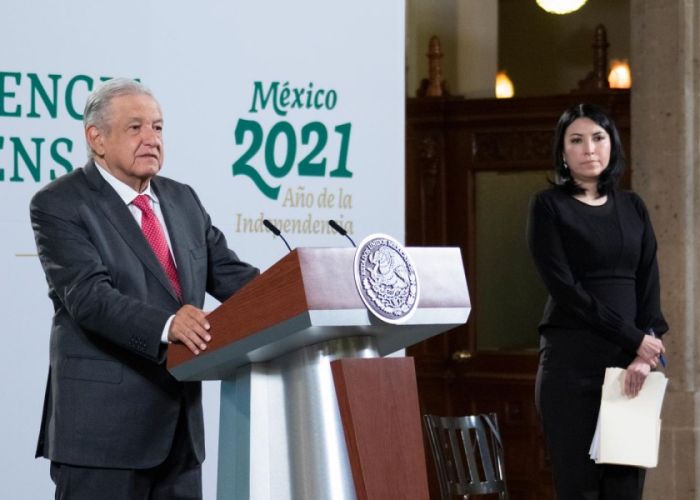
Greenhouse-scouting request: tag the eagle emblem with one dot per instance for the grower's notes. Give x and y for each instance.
(386, 278)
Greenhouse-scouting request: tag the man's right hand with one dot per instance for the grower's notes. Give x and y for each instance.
(190, 327)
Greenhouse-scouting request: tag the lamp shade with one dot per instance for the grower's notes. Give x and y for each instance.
(504, 86)
(620, 76)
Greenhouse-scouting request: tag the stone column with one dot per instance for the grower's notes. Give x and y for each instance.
(665, 106)
(468, 32)
(477, 48)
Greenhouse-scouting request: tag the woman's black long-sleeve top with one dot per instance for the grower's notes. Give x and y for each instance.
(598, 264)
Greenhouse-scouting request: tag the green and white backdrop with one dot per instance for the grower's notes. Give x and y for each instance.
(292, 111)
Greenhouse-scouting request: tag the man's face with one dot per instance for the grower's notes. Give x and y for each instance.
(131, 147)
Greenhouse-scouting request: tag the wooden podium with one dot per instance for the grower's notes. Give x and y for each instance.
(310, 410)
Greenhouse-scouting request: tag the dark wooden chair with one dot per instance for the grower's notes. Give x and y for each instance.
(468, 455)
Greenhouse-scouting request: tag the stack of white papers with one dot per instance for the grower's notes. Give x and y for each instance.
(629, 429)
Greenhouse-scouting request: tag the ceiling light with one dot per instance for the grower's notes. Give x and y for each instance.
(561, 6)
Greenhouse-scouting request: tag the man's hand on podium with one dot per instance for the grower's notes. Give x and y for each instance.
(190, 327)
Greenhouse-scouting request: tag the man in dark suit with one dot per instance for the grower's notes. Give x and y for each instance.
(127, 274)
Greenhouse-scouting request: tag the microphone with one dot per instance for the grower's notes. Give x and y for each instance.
(275, 231)
(340, 230)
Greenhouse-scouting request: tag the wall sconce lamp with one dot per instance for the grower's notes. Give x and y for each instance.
(561, 6)
(504, 86)
(620, 76)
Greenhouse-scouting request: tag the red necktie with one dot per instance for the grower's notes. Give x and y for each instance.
(152, 230)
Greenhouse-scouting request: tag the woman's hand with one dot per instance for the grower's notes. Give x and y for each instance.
(635, 376)
(650, 349)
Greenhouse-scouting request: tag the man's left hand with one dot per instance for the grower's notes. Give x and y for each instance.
(190, 327)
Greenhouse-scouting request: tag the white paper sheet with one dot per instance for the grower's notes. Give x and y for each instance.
(628, 429)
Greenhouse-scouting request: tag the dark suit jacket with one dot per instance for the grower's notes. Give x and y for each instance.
(110, 402)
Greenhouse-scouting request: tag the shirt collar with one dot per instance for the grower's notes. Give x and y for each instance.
(125, 192)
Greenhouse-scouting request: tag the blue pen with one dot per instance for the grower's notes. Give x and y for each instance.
(662, 358)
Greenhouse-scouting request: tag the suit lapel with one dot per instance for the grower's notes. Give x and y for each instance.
(118, 214)
(175, 221)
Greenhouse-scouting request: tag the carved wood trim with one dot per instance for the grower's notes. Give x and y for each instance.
(516, 149)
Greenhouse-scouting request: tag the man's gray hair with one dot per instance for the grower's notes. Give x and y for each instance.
(97, 106)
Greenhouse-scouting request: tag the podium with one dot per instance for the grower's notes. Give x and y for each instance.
(310, 408)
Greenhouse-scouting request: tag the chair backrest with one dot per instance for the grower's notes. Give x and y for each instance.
(468, 455)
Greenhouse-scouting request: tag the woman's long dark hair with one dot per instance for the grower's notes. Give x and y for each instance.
(608, 179)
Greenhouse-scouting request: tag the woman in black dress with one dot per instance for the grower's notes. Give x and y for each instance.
(595, 249)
